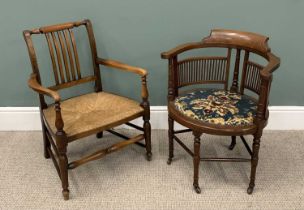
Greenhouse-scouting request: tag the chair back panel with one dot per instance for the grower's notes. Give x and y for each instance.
(254, 77)
(238, 39)
(202, 70)
(64, 56)
(63, 53)
(251, 78)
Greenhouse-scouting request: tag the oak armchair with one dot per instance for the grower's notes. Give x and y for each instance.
(65, 121)
(238, 111)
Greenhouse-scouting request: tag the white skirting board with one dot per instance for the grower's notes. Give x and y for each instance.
(28, 118)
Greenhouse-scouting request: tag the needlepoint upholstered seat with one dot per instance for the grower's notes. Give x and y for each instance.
(239, 110)
(67, 120)
(218, 107)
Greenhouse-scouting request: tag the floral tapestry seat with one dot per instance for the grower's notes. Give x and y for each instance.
(218, 107)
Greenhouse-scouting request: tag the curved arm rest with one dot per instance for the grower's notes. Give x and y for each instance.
(34, 84)
(118, 65)
(274, 63)
(266, 76)
(122, 66)
(179, 49)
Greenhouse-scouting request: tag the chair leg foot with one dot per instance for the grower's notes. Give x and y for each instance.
(250, 190)
(254, 162)
(169, 161)
(197, 188)
(46, 154)
(63, 161)
(233, 142)
(99, 135)
(66, 194)
(149, 156)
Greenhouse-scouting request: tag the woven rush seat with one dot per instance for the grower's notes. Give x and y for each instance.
(217, 107)
(93, 112)
(64, 121)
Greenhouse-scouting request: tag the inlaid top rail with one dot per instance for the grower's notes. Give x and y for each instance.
(238, 39)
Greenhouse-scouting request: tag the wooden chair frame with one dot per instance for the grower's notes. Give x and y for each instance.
(255, 78)
(64, 45)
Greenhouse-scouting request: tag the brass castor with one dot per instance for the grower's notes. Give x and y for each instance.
(99, 135)
(65, 194)
(149, 156)
(197, 189)
(250, 190)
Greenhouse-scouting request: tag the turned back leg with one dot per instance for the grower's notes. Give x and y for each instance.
(171, 142)
(147, 130)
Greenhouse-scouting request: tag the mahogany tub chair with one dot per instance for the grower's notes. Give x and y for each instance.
(240, 110)
(64, 121)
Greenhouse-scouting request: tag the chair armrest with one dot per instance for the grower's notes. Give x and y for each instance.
(274, 63)
(266, 77)
(118, 65)
(179, 49)
(34, 84)
(122, 66)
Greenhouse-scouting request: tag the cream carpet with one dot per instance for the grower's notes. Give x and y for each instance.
(125, 180)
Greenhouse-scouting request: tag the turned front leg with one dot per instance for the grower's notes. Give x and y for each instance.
(147, 130)
(147, 126)
(196, 161)
(254, 162)
(62, 143)
(63, 164)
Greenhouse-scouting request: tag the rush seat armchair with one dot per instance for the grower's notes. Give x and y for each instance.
(239, 110)
(64, 121)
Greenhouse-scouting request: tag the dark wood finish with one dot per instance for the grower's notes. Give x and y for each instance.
(233, 142)
(227, 68)
(72, 83)
(125, 137)
(182, 131)
(121, 66)
(171, 142)
(75, 53)
(66, 69)
(182, 145)
(215, 69)
(252, 79)
(246, 145)
(202, 70)
(226, 159)
(196, 160)
(101, 153)
(245, 64)
(234, 87)
(134, 126)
